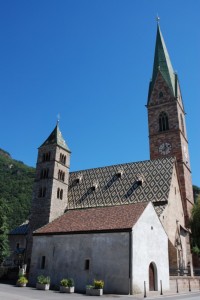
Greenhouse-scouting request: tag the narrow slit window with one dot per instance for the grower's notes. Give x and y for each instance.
(43, 262)
(87, 264)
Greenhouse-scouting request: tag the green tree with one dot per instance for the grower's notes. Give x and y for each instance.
(4, 245)
(195, 226)
(196, 192)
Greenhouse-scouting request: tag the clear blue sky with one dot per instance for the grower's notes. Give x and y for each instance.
(91, 61)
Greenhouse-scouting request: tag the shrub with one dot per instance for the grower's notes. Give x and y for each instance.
(22, 279)
(67, 282)
(64, 282)
(98, 284)
(43, 280)
(70, 282)
(89, 286)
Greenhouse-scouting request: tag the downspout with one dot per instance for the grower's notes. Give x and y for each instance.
(130, 263)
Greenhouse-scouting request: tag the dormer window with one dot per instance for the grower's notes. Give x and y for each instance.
(94, 186)
(119, 173)
(139, 180)
(163, 121)
(79, 178)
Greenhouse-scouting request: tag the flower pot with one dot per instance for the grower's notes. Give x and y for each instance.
(42, 286)
(21, 284)
(65, 289)
(94, 292)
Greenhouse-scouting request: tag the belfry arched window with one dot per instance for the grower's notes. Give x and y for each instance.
(163, 121)
(182, 124)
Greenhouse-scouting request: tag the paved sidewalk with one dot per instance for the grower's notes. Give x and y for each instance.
(11, 292)
(157, 294)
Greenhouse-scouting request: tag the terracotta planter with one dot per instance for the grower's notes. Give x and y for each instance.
(40, 286)
(65, 289)
(94, 292)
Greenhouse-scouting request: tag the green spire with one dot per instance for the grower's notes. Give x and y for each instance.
(56, 138)
(162, 63)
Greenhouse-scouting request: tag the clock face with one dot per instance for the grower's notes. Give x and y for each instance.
(165, 148)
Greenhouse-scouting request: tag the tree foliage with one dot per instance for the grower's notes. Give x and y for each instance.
(4, 247)
(16, 182)
(196, 192)
(195, 226)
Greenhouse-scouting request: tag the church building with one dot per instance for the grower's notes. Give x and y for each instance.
(125, 223)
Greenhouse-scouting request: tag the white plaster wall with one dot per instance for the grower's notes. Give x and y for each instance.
(150, 244)
(66, 254)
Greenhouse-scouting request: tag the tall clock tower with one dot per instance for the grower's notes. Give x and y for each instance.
(166, 120)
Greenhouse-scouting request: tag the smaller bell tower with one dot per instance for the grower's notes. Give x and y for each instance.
(51, 181)
(50, 190)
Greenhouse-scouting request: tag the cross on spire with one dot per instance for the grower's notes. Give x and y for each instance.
(157, 19)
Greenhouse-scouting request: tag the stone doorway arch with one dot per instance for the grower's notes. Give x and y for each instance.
(153, 285)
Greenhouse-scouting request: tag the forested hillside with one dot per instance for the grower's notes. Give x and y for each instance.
(16, 182)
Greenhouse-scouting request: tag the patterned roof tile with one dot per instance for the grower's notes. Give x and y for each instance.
(113, 189)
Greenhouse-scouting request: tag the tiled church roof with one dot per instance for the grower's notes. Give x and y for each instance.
(122, 184)
(111, 218)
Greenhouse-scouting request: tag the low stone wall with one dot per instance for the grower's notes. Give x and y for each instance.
(184, 284)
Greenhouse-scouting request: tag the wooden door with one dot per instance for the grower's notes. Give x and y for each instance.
(151, 277)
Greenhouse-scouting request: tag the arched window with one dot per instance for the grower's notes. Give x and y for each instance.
(62, 158)
(182, 124)
(46, 156)
(42, 192)
(163, 121)
(160, 95)
(61, 175)
(58, 193)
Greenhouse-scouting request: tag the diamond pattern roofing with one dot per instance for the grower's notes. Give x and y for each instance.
(139, 182)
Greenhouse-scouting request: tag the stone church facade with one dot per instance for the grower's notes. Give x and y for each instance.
(164, 181)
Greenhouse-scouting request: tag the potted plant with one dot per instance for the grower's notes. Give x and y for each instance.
(43, 282)
(22, 281)
(96, 289)
(67, 285)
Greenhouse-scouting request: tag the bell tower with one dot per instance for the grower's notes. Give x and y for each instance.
(50, 190)
(51, 181)
(166, 120)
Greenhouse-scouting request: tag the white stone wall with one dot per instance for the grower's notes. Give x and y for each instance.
(150, 244)
(108, 254)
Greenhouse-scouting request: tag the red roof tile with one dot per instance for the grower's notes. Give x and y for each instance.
(96, 219)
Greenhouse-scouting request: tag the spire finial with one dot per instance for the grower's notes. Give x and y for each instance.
(58, 118)
(157, 19)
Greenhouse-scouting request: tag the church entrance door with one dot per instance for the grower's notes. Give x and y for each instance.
(151, 277)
